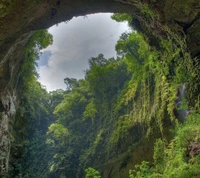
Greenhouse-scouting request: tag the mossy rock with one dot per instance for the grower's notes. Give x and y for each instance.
(182, 12)
(5, 7)
(194, 33)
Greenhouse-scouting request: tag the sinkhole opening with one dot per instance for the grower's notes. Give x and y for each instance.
(74, 43)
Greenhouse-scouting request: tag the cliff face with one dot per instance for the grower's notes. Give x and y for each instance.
(157, 19)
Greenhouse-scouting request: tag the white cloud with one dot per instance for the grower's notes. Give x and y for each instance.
(74, 43)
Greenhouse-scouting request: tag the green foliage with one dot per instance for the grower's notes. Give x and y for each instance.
(173, 160)
(156, 75)
(87, 108)
(143, 171)
(121, 17)
(74, 103)
(30, 126)
(70, 82)
(58, 130)
(90, 110)
(33, 115)
(92, 173)
(106, 76)
(28, 74)
(120, 102)
(118, 95)
(138, 88)
(56, 98)
(147, 11)
(159, 154)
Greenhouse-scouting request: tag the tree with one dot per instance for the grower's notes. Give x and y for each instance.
(33, 115)
(70, 82)
(107, 80)
(92, 173)
(98, 61)
(121, 17)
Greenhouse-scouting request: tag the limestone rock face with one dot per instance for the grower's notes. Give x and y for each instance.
(185, 15)
(7, 113)
(20, 18)
(193, 37)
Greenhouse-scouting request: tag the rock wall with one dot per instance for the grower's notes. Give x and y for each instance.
(9, 70)
(7, 112)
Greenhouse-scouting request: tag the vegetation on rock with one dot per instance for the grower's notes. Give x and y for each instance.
(103, 120)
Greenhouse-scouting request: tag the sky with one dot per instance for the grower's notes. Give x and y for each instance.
(74, 43)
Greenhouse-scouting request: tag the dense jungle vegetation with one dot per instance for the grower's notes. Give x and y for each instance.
(126, 112)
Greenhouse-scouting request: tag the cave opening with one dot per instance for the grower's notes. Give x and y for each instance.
(96, 140)
(74, 42)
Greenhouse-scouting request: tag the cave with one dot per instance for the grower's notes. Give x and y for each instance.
(20, 19)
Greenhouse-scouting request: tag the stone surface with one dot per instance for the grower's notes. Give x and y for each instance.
(7, 113)
(194, 148)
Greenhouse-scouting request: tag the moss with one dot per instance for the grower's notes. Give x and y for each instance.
(147, 11)
(177, 159)
(181, 11)
(5, 7)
